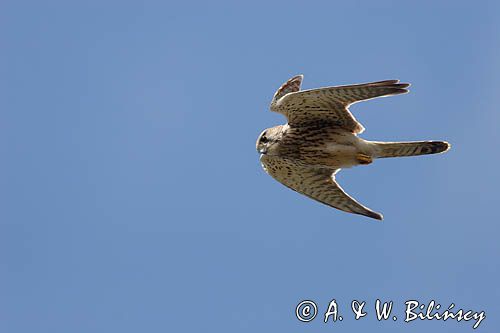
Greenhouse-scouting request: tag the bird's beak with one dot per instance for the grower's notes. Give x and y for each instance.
(262, 151)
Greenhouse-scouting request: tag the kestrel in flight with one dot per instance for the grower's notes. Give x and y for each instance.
(321, 137)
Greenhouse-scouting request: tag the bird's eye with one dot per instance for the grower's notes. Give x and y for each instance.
(263, 139)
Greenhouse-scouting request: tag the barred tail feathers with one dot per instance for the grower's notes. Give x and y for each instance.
(402, 149)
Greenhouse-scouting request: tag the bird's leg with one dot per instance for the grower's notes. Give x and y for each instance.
(363, 159)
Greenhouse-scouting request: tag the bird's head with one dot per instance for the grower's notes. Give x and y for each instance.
(268, 138)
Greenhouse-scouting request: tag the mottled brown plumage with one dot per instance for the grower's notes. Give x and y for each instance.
(320, 138)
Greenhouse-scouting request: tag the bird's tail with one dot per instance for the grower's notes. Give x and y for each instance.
(401, 149)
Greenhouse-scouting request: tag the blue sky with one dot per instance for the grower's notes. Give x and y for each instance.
(132, 198)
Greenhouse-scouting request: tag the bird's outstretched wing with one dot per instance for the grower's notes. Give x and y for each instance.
(329, 105)
(317, 183)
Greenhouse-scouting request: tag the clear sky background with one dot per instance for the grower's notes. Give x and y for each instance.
(132, 198)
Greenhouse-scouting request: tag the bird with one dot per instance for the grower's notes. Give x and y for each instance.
(321, 138)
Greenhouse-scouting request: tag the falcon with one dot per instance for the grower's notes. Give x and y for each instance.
(321, 137)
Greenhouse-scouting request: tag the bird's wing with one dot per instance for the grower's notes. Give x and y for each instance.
(330, 105)
(317, 183)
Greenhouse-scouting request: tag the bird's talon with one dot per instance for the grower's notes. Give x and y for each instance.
(364, 159)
